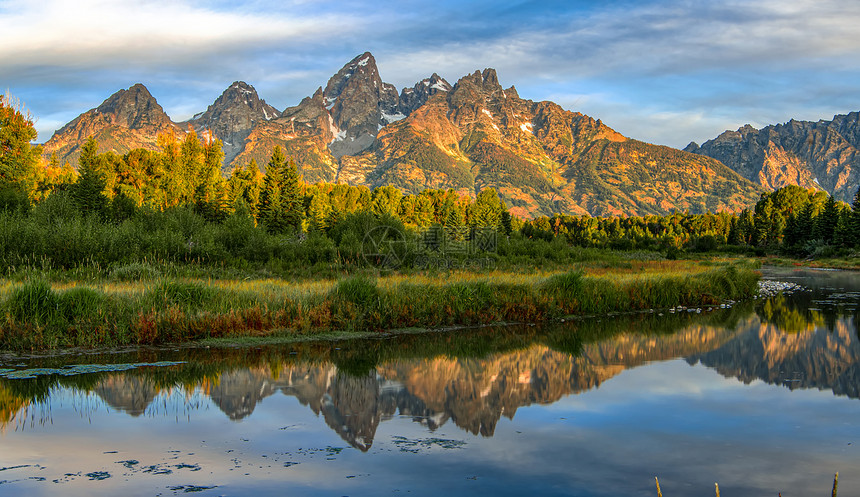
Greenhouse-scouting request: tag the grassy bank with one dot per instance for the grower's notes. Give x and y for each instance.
(851, 262)
(39, 315)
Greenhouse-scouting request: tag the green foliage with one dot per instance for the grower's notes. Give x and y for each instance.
(487, 210)
(134, 271)
(18, 159)
(566, 285)
(34, 302)
(174, 293)
(357, 290)
(88, 191)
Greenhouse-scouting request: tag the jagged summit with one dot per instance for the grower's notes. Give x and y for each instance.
(232, 116)
(134, 108)
(469, 136)
(357, 99)
(815, 155)
(126, 120)
(413, 98)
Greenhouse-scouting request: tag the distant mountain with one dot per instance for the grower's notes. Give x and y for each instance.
(232, 116)
(128, 119)
(821, 155)
(468, 136)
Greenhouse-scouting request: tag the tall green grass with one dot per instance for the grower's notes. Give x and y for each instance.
(175, 310)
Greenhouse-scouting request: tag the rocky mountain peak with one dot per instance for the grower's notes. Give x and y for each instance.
(232, 116)
(820, 154)
(490, 80)
(415, 97)
(359, 71)
(133, 108)
(360, 105)
(473, 94)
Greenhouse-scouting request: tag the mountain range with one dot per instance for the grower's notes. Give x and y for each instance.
(820, 155)
(474, 134)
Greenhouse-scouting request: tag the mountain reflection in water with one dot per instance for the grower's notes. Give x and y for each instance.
(475, 378)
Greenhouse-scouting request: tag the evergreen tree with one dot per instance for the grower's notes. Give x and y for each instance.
(805, 222)
(855, 218)
(271, 207)
(487, 210)
(763, 222)
(292, 198)
(385, 200)
(320, 212)
(734, 237)
(746, 227)
(88, 191)
(825, 223)
(842, 235)
(791, 236)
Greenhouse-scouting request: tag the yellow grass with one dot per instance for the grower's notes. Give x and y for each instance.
(277, 289)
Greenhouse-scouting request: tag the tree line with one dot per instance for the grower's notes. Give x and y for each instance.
(186, 174)
(791, 220)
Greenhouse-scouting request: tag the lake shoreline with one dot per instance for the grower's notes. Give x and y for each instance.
(40, 317)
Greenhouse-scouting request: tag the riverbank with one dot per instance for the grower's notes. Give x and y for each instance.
(849, 262)
(40, 315)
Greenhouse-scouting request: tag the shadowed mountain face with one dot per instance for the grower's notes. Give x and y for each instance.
(820, 155)
(232, 116)
(472, 135)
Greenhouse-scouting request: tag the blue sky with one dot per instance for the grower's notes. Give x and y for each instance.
(666, 72)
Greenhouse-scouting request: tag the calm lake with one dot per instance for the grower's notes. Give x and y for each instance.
(762, 397)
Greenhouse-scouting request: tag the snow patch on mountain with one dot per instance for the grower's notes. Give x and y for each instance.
(390, 118)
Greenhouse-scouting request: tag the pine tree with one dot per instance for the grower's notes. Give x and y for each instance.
(88, 191)
(292, 199)
(842, 235)
(805, 223)
(734, 237)
(487, 210)
(270, 209)
(763, 223)
(825, 223)
(320, 212)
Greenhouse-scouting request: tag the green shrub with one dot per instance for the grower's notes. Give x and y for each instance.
(567, 286)
(34, 302)
(79, 303)
(360, 291)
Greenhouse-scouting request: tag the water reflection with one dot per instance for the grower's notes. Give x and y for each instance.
(474, 379)
(469, 380)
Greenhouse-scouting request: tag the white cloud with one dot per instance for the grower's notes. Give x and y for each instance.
(101, 32)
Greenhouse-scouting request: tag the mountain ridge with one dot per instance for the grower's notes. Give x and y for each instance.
(821, 155)
(469, 136)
